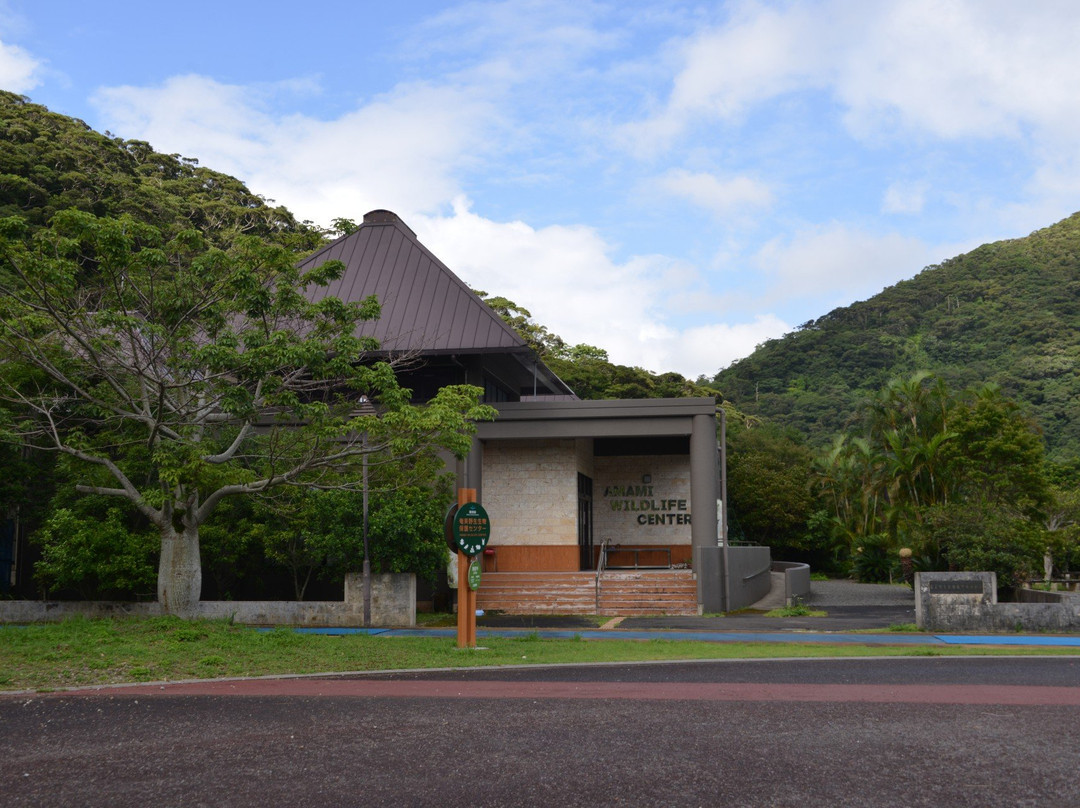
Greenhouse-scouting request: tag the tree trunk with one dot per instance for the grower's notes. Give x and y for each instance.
(180, 572)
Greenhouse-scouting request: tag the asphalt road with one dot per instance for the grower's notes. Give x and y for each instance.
(904, 732)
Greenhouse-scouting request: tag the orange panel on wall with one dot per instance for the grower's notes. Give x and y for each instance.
(535, 558)
(680, 554)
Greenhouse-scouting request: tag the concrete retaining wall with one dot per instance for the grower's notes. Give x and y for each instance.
(51, 611)
(393, 603)
(748, 578)
(939, 609)
(796, 580)
(1042, 596)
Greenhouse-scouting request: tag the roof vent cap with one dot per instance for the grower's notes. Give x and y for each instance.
(381, 216)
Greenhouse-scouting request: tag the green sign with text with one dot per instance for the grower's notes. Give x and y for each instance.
(474, 575)
(472, 528)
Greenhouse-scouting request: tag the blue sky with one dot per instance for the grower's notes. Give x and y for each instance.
(674, 182)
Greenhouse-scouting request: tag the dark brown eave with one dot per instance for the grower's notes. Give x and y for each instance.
(609, 408)
(597, 419)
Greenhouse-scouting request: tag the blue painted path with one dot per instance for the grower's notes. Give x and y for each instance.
(725, 636)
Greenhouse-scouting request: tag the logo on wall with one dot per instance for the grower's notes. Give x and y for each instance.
(649, 509)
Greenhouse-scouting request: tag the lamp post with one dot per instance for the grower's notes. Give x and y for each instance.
(367, 553)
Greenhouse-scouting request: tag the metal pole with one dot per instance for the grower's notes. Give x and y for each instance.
(367, 554)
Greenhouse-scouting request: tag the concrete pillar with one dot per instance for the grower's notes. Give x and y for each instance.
(704, 486)
(704, 481)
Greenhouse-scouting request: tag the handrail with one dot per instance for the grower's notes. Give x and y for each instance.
(600, 570)
(756, 574)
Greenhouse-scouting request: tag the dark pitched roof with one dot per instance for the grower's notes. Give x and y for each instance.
(426, 308)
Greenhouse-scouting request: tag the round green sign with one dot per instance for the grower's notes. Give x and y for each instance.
(472, 528)
(474, 574)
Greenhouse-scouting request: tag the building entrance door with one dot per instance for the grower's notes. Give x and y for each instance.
(585, 522)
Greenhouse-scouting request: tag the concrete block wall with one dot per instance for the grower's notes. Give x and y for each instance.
(393, 603)
(951, 611)
(393, 598)
(530, 491)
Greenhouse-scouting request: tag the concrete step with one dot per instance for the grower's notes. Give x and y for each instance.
(623, 592)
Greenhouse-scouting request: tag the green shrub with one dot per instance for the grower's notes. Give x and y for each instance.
(980, 537)
(99, 557)
(873, 561)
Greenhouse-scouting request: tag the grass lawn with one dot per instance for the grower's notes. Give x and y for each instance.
(84, 652)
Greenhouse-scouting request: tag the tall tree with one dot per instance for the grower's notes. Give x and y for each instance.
(998, 454)
(180, 374)
(919, 451)
(769, 487)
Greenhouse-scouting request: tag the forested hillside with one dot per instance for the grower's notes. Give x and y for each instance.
(1006, 313)
(50, 162)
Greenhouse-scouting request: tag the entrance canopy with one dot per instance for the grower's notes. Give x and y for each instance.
(645, 465)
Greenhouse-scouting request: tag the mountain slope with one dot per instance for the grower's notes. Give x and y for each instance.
(1007, 312)
(51, 162)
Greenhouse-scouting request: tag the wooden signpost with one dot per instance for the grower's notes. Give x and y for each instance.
(468, 534)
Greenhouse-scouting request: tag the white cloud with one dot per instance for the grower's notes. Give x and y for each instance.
(965, 68)
(837, 264)
(760, 54)
(721, 197)
(19, 71)
(968, 68)
(890, 69)
(707, 349)
(564, 275)
(399, 151)
(519, 39)
(904, 197)
(402, 150)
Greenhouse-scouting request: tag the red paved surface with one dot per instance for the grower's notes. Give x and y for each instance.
(679, 691)
(911, 732)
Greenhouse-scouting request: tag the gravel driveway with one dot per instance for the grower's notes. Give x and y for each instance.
(824, 594)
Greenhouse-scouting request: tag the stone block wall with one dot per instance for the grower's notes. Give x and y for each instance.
(944, 610)
(939, 610)
(393, 598)
(530, 491)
